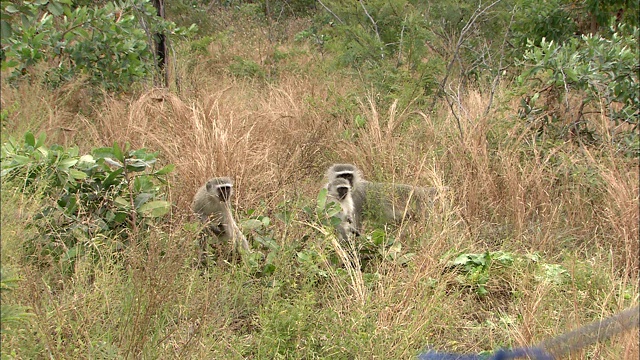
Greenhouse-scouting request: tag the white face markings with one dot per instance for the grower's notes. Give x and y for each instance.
(340, 190)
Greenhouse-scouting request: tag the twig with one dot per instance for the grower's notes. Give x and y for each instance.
(401, 40)
(461, 39)
(331, 12)
(496, 80)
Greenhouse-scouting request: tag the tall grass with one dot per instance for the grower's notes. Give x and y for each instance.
(575, 207)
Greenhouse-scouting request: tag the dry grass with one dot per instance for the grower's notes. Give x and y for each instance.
(577, 207)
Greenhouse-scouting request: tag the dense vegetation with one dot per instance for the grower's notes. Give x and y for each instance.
(528, 111)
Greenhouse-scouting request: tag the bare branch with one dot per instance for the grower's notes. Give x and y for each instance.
(461, 39)
(331, 12)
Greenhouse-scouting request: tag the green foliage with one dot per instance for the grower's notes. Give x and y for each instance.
(383, 41)
(475, 268)
(481, 271)
(375, 246)
(601, 72)
(274, 10)
(537, 20)
(246, 68)
(10, 314)
(100, 198)
(259, 230)
(107, 43)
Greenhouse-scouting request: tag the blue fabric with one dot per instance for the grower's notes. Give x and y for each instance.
(531, 353)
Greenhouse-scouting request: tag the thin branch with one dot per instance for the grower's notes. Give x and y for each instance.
(331, 12)
(404, 23)
(496, 80)
(375, 26)
(461, 39)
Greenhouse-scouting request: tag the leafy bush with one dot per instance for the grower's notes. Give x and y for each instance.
(475, 268)
(258, 231)
(384, 41)
(99, 199)
(109, 43)
(537, 20)
(246, 68)
(601, 72)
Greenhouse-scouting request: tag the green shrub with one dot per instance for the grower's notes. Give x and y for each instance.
(97, 202)
(600, 72)
(108, 43)
(537, 20)
(246, 68)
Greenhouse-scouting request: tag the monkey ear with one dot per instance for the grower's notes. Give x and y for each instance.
(224, 192)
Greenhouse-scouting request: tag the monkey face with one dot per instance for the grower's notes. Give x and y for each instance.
(347, 175)
(344, 171)
(343, 192)
(221, 188)
(225, 192)
(339, 189)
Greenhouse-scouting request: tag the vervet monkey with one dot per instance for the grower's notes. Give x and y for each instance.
(339, 190)
(388, 202)
(212, 203)
(357, 191)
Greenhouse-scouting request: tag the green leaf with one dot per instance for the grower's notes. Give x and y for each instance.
(41, 140)
(117, 152)
(378, 237)
(112, 162)
(55, 8)
(155, 208)
(111, 179)
(122, 202)
(67, 163)
(5, 29)
(11, 9)
(322, 199)
(461, 259)
(141, 199)
(165, 170)
(360, 121)
(86, 159)
(333, 209)
(29, 139)
(251, 224)
(303, 257)
(136, 165)
(77, 174)
(104, 152)
(143, 184)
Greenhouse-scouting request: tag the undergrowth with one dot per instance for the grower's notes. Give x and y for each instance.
(538, 235)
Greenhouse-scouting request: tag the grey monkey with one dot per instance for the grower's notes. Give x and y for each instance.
(212, 204)
(339, 190)
(357, 190)
(388, 202)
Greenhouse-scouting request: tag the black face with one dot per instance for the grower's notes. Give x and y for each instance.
(218, 230)
(343, 191)
(224, 192)
(347, 176)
